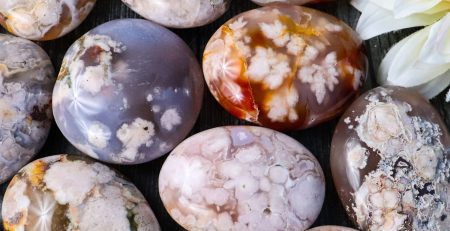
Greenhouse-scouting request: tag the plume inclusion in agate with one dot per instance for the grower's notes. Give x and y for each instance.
(285, 67)
(43, 19)
(66, 192)
(128, 92)
(26, 82)
(179, 13)
(242, 178)
(389, 161)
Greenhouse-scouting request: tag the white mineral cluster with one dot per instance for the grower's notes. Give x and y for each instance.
(242, 178)
(409, 187)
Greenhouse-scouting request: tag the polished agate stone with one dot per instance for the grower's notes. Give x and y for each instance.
(296, 2)
(65, 192)
(128, 92)
(331, 228)
(43, 19)
(179, 13)
(284, 66)
(389, 161)
(242, 178)
(26, 82)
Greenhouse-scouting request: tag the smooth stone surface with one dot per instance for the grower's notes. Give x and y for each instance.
(128, 92)
(331, 228)
(242, 178)
(66, 192)
(296, 2)
(285, 67)
(389, 161)
(179, 13)
(43, 19)
(26, 82)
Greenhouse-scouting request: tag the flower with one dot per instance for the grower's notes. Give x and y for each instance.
(420, 61)
(381, 16)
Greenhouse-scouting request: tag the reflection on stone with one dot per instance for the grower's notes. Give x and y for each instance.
(43, 19)
(242, 178)
(179, 13)
(64, 192)
(26, 81)
(285, 67)
(128, 92)
(390, 162)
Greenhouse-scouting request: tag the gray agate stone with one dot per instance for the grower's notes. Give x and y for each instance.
(26, 80)
(128, 92)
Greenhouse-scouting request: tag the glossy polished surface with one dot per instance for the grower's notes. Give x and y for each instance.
(296, 2)
(128, 92)
(43, 19)
(64, 192)
(242, 178)
(179, 13)
(331, 228)
(285, 67)
(389, 161)
(26, 81)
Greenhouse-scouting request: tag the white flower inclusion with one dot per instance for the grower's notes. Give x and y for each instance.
(41, 212)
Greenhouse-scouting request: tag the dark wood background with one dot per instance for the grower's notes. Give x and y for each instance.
(317, 139)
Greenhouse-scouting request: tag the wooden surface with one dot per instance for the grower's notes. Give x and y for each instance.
(317, 139)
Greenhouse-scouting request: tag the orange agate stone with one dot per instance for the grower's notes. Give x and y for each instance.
(285, 67)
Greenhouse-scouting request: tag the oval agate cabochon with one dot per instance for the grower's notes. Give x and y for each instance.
(242, 178)
(285, 67)
(26, 82)
(66, 192)
(389, 159)
(179, 13)
(128, 92)
(331, 228)
(43, 19)
(296, 2)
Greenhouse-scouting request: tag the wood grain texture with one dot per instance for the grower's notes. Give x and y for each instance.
(317, 140)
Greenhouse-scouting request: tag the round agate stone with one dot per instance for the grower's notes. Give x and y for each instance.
(43, 19)
(284, 66)
(389, 161)
(179, 13)
(65, 192)
(242, 178)
(296, 2)
(331, 228)
(128, 92)
(26, 82)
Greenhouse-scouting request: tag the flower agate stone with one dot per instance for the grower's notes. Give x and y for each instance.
(179, 13)
(65, 192)
(128, 92)
(331, 228)
(296, 2)
(389, 161)
(26, 82)
(284, 66)
(242, 178)
(43, 19)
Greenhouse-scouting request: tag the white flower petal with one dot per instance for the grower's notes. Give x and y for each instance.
(403, 8)
(379, 17)
(410, 64)
(437, 47)
(434, 87)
